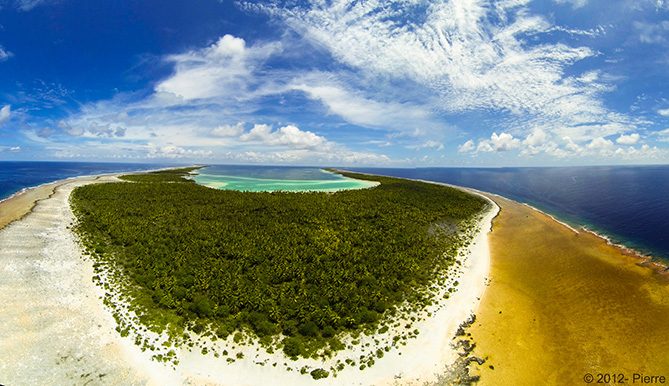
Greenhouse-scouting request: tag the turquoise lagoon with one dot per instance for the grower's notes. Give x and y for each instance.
(271, 179)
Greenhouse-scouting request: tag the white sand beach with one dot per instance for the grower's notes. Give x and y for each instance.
(56, 330)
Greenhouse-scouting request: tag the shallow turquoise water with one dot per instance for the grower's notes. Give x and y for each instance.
(270, 179)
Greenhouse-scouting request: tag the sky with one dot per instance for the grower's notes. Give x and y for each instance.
(398, 83)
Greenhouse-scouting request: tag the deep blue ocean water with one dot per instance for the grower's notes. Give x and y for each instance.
(628, 204)
(17, 175)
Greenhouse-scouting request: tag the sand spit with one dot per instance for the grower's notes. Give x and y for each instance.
(56, 330)
(20, 203)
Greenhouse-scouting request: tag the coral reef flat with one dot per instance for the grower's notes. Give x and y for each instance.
(563, 303)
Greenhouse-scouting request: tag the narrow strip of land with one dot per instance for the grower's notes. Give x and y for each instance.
(562, 304)
(15, 207)
(54, 329)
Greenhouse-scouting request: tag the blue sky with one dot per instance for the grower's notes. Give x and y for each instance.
(384, 83)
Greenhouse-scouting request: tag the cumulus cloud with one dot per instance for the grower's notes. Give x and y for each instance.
(467, 147)
(600, 144)
(224, 68)
(5, 113)
(663, 112)
(290, 136)
(228, 130)
(496, 143)
(628, 139)
(536, 138)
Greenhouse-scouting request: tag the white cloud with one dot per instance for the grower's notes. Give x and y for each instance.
(600, 144)
(628, 139)
(466, 147)
(228, 130)
(27, 5)
(663, 135)
(429, 144)
(652, 33)
(644, 152)
(92, 129)
(290, 136)
(472, 55)
(536, 138)
(663, 112)
(539, 141)
(361, 110)
(497, 143)
(457, 51)
(223, 69)
(5, 113)
(4, 54)
(574, 3)
(174, 152)
(11, 149)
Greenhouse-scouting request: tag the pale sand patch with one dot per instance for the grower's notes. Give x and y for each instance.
(56, 329)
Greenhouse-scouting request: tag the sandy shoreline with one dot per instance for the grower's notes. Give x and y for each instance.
(58, 330)
(20, 203)
(54, 329)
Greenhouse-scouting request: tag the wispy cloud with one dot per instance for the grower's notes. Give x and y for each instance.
(491, 77)
(474, 56)
(429, 144)
(663, 112)
(575, 4)
(652, 33)
(5, 114)
(11, 149)
(28, 5)
(4, 54)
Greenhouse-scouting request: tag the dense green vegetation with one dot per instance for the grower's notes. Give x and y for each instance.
(295, 269)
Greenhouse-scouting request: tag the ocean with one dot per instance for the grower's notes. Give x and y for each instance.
(18, 175)
(627, 204)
